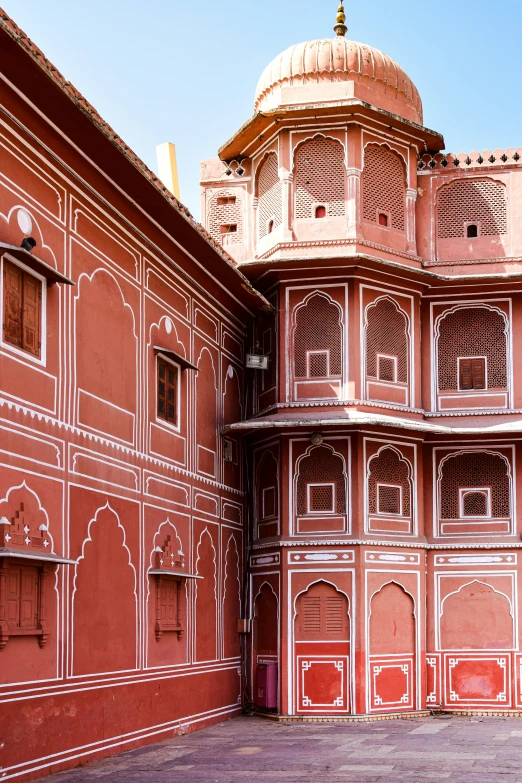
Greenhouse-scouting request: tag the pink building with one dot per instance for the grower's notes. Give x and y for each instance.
(352, 502)
(384, 435)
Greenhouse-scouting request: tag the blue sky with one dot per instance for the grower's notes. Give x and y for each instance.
(181, 71)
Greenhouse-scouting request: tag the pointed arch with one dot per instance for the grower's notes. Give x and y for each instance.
(322, 613)
(317, 337)
(268, 190)
(390, 485)
(472, 330)
(383, 186)
(476, 617)
(104, 599)
(231, 598)
(205, 599)
(321, 482)
(392, 620)
(387, 339)
(319, 177)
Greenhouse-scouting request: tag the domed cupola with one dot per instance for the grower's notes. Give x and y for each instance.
(333, 70)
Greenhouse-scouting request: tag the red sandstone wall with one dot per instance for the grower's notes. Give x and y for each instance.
(82, 449)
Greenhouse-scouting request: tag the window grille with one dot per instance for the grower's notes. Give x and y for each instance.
(474, 469)
(321, 498)
(383, 186)
(321, 466)
(269, 195)
(468, 332)
(389, 499)
(475, 504)
(387, 468)
(386, 333)
(386, 368)
(320, 175)
(224, 211)
(317, 329)
(472, 201)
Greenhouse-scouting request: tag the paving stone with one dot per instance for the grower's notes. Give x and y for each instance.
(426, 750)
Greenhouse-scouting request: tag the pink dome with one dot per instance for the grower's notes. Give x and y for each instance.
(337, 69)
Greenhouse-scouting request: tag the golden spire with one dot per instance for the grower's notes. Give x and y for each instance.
(340, 27)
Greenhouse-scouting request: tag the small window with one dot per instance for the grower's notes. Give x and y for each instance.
(321, 498)
(269, 502)
(472, 231)
(22, 588)
(472, 373)
(229, 228)
(383, 219)
(320, 212)
(270, 226)
(318, 364)
(389, 499)
(22, 294)
(168, 380)
(475, 502)
(226, 200)
(387, 368)
(169, 606)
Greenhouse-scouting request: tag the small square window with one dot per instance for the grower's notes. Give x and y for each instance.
(389, 499)
(167, 392)
(387, 368)
(22, 309)
(472, 373)
(475, 502)
(321, 498)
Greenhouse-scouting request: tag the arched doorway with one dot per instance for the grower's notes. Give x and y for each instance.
(322, 650)
(392, 659)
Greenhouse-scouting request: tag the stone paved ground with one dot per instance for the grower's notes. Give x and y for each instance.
(423, 750)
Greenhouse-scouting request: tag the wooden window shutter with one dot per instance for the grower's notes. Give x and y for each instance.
(465, 373)
(13, 597)
(311, 620)
(479, 373)
(334, 620)
(32, 289)
(13, 297)
(28, 598)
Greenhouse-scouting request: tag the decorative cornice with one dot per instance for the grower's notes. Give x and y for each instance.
(348, 241)
(395, 544)
(129, 451)
(469, 262)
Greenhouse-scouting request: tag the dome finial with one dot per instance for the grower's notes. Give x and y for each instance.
(340, 27)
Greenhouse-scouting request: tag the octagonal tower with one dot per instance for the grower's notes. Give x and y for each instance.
(381, 434)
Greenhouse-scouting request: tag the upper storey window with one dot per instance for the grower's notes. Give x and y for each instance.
(472, 220)
(317, 347)
(22, 309)
(472, 208)
(269, 210)
(225, 218)
(473, 485)
(472, 358)
(387, 347)
(168, 392)
(320, 179)
(383, 187)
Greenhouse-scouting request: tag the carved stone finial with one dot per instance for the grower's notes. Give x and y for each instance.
(340, 27)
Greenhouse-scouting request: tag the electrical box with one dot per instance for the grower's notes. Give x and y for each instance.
(266, 684)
